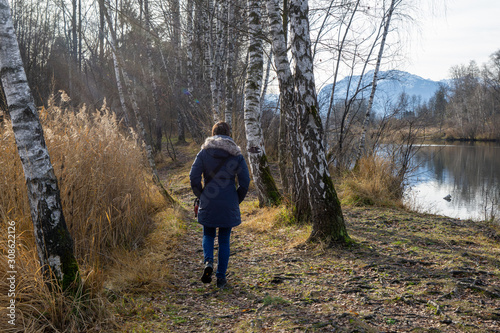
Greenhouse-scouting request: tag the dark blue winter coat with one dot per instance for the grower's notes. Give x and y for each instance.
(219, 199)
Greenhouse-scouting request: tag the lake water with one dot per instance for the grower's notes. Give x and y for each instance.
(468, 172)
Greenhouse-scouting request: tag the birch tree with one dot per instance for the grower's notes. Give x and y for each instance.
(119, 86)
(266, 187)
(53, 240)
(292, 176)
(211, 44)
(362, 139)
(193, 110)
(327, 217)
(231, 54)
(340, 46)
(152, 73)
(176, 43)
(351, 107)
(221, 54)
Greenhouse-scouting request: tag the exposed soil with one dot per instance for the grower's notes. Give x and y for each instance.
(404, 272)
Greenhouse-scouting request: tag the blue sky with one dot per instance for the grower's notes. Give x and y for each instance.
(466, 30)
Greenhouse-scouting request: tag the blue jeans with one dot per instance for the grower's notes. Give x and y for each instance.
(208, 248)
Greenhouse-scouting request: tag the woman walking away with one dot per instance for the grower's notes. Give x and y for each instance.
(219, 161)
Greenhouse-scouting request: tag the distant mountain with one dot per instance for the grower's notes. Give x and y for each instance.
(389, 87)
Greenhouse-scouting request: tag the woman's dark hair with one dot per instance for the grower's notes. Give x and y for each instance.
(221, 128)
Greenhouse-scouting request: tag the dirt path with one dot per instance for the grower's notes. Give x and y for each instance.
(406, 272)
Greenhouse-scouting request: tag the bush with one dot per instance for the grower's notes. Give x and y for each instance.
(372, 182)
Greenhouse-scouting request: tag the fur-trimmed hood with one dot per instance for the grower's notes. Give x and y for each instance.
(222, 142)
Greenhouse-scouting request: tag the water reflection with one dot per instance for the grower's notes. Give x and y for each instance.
(469, 173)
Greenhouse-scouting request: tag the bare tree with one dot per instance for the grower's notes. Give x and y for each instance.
(291, 169)
(341, 43)
(466, 106)
(53, 240)
(211, 45)
(386, 25)
(348, 111)
(176, 44)
(152, 73)
(327, 217)
(191, 116)
(267, 190)
(231, 55)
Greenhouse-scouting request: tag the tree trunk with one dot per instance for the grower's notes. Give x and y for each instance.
(327, 217)
(116, 66)
(210, 47)
(74, 30)
(190, 47)
(53, 240)
(362, 139)
(176, 43)
(101, 31)
(154, 85)
(80, 39)
(119, 86)
(292, 176)
(266, 187)
(265, 82)
(221, 55)
(228, 114)
(335, 75)
(191, 117)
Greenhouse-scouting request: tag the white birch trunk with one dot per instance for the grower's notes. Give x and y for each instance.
(53, 240)
(266, 187)
(119, 86)
(210, 51)
(289, 145)
(327, 217)
(228, 114)
(206, 28)
(221, 55)
(366, 119)
(190, 45)
(266, 81)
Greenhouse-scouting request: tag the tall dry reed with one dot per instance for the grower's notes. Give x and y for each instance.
(108, 199)
(373, 182)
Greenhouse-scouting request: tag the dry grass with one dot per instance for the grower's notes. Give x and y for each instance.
(108, 199)
(38, 309)
(372, 183)
(149, 268)
(259, 220)
(273, 223)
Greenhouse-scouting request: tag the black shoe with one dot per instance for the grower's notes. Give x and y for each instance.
(207, 272)
(221, 283)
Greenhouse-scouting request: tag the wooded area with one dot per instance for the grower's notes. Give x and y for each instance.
(156, 75)
(139, 56)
